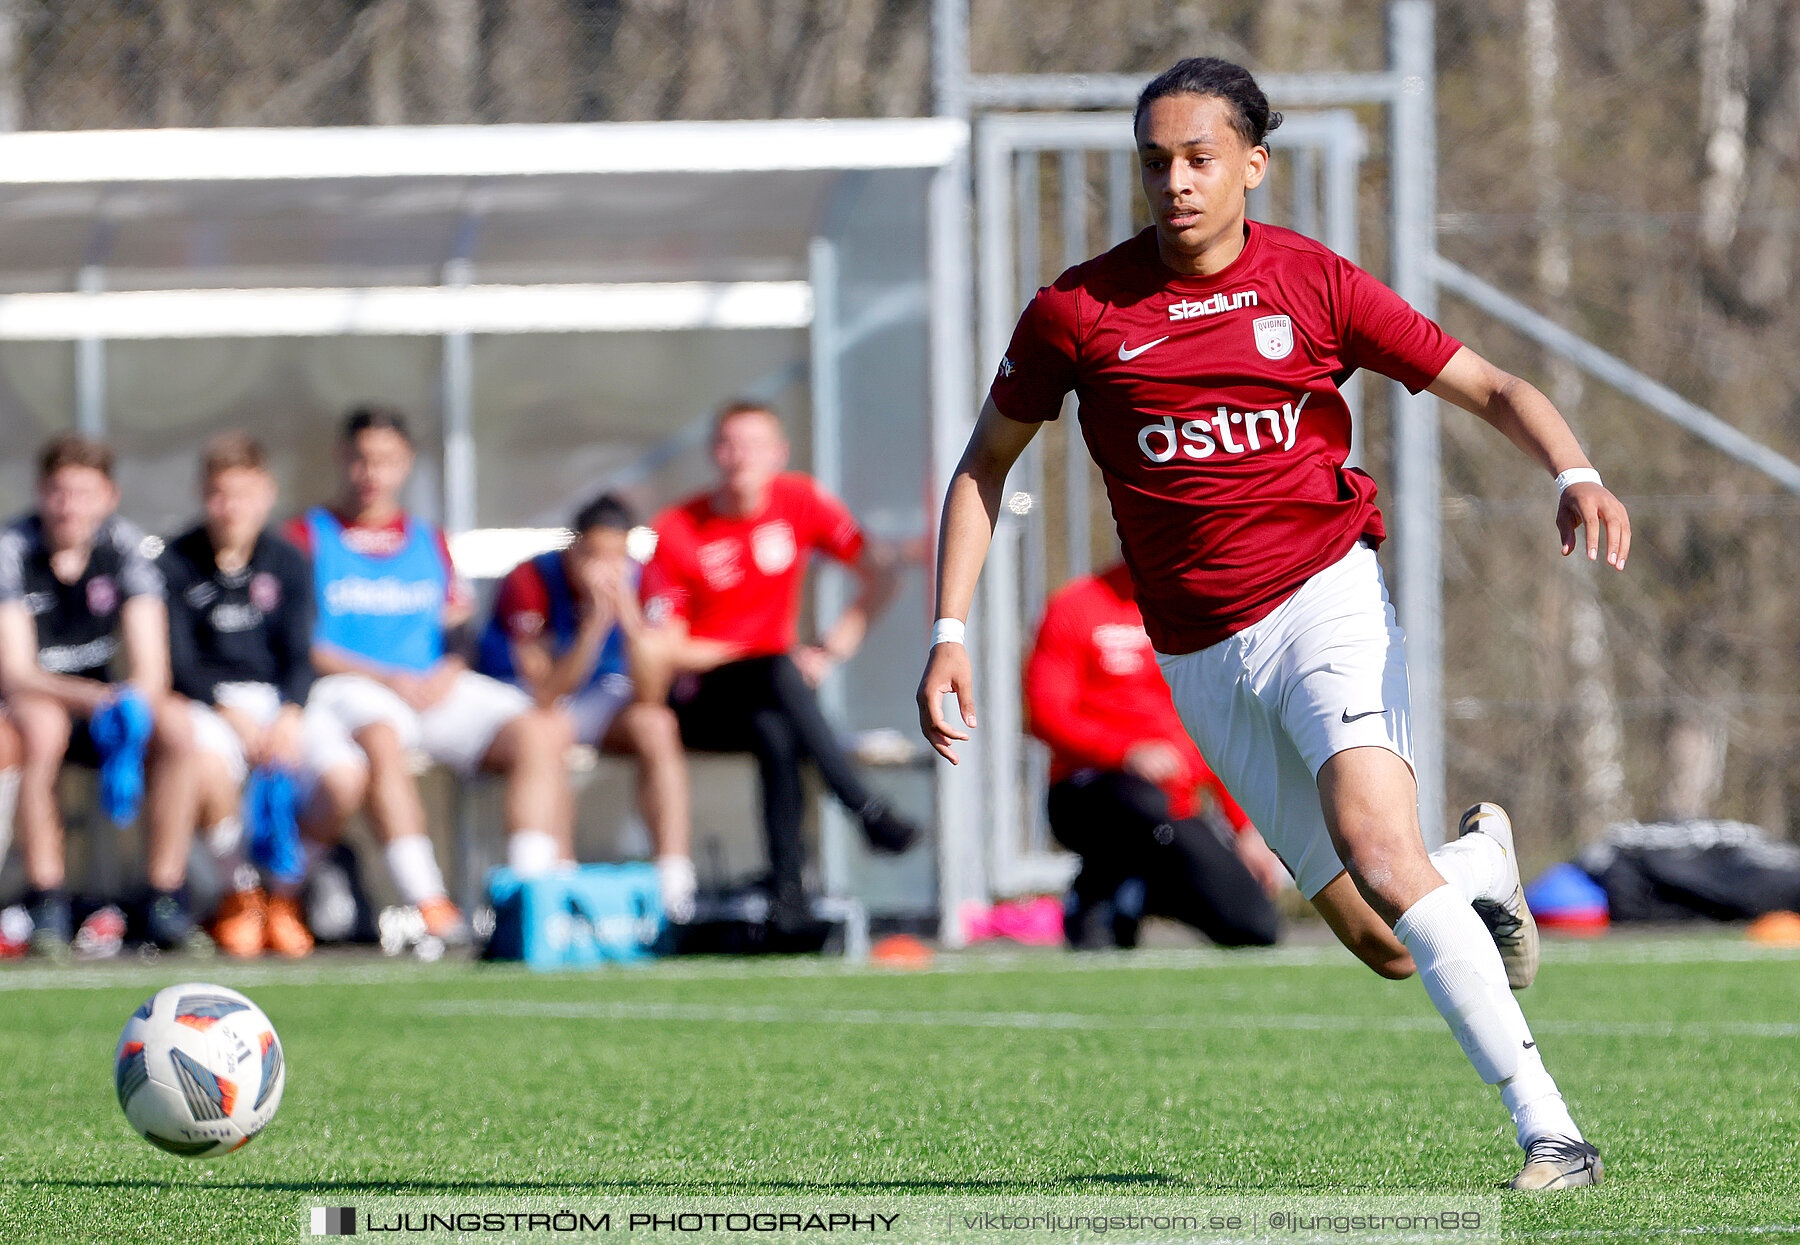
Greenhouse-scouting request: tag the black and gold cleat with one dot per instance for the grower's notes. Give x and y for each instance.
(1508, 920)
(1559, 1163)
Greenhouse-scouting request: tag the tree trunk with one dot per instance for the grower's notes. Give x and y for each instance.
(458, 46)
(1599, 736)
(12, 87)
(387, 65)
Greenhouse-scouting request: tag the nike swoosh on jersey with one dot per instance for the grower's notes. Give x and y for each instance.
(1126, 354)
(1351, 717)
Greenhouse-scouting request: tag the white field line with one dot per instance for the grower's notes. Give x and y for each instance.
(1647, 1233)
(707, 1013)
(107, 975)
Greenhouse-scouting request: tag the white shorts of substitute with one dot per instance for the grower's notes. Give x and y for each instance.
(593, 709)
(1325, 672)
(456, 732)
(212, 733)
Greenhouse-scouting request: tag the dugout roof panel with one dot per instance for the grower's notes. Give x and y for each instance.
(548, 230)
(522, 205)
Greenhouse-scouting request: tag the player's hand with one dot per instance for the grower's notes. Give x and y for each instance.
(603, 586)
(1155, 761)
(1592, 506)
(947, 672)
(281, 742)
(813, 662)
(1264, 865)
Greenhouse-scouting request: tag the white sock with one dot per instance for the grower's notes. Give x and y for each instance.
(1461, 970)
(225, 840)
(414, 868)
(9, 800)
(531, 853)
(1475, 865)
(675, 878)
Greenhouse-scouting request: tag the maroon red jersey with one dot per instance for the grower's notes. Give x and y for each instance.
(1093, 692)
(738, 579)
(1211, 405)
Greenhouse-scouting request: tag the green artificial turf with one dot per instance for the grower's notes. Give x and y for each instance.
(1293, 1072)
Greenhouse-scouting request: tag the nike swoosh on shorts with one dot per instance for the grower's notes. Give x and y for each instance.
(1126, 354)
(1351, 717)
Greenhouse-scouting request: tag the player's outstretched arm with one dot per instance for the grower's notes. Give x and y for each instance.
(971, 509)
(1530, 422)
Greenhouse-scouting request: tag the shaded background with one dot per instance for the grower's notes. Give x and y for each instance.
(1629, 167)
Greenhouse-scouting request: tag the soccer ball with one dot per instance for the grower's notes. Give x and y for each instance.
(199, 1070)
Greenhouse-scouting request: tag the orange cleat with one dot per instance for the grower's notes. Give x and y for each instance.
(237, 927)
(444, 921)
(285, 931)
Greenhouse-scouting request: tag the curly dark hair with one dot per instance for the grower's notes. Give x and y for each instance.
(1208, 75)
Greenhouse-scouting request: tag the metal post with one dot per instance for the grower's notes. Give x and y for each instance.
(458, 380)
(961, 807)
(1120, 186)
(827, 469)
(90, 365)
(1000, 598)
(1418, 554)
(1343, 167)
(950, 57)
(1073, 172)
(1303, 167)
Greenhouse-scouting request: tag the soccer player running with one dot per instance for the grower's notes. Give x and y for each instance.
(567, 629)
(1207, 354)
(387, 600)
(76, 594)
(240, 630)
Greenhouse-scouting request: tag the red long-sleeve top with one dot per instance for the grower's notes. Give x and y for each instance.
(1093, 692)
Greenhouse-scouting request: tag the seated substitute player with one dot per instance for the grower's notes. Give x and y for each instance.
(76, 595)
(240, 630)
(386, 597)
(725, 580)
(567, 628)
(1208, 351)
(1123, 782)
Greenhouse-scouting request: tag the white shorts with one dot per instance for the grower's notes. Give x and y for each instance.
(212, 733)
(457, 731)
(593, 709)
(1326, 671)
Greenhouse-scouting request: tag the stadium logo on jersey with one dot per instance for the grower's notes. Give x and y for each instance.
(1202, 438)
(102, 595)
(772, 545)
(1194, 309)
(1274, 336)
(355, 595)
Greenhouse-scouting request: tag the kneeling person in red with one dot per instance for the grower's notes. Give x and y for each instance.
(1124, 778)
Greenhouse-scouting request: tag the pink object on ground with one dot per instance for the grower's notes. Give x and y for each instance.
(1034, 922)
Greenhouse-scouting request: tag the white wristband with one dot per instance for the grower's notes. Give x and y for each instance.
(1576, 475)
(947, 631)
